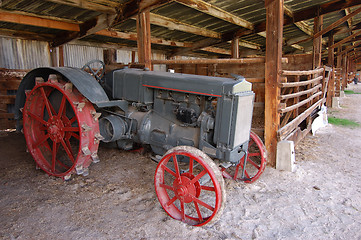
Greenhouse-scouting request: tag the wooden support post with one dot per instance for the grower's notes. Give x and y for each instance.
(344, 72)
(330, 89)
(61, 56)
(274, 39)
(317, 42)
(144, 41)
(110, 56)
(53, 57)
(331, 52)
(235, 48)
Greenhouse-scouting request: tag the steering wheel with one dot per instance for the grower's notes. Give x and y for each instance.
(95, 64)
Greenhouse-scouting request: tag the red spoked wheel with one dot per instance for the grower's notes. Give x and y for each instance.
(189, 186)
(60, 128)
(255, 164)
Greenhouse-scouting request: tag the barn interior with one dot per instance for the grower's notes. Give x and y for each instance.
(298, 55)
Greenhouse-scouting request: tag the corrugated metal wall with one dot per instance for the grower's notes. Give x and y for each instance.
(28, 54)
(77, 56)
(23, 54)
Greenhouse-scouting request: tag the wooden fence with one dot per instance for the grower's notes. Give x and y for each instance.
(9, 83)
(302, 92)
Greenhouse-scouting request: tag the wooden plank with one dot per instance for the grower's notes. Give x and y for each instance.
(104, 6)
(211, 61)
(299, 73)
(298, 94)
(9, 85)
(170, 23)
(339, 43)
(38, 21)
(7, 115)
(274, 41)
(337, 23)
(285, 130)
(302, 83)
(212, 10)
(297, 105)
(7, 99)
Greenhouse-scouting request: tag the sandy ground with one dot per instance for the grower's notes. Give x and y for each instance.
(321, 200)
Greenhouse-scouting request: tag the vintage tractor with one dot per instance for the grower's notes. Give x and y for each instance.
(186, 120)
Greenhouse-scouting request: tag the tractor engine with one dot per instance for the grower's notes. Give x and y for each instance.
(165, 110)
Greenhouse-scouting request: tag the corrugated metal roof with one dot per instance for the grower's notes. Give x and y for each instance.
(251, 11)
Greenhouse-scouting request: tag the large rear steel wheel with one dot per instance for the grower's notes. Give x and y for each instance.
(189, 186)
(255, 164)
(61, 128)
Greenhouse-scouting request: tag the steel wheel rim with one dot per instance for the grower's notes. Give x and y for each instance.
(186, 199)
(59, 144)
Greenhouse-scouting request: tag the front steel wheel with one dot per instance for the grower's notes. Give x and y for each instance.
(60, 128)
(189, 186)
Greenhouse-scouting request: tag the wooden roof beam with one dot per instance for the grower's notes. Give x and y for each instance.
(303, 26)
(177, 25)
(124, 12)
(217, 12)
(103, 6)
(357, 33)
(87, 28)
(73, 27)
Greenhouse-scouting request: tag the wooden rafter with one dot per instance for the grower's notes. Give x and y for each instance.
(103, 6)
(302, 25)
(74, 27)
(217, 12)
(339, 43)
(103, 21)
(180, 26)
(349, 48)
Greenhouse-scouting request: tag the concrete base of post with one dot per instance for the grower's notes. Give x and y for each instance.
(335, 102)
(285, 159)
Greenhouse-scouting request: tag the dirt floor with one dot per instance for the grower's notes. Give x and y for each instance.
(321, 200)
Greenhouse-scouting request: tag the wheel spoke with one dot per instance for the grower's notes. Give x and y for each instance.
(203, 203)
(201, 174)
(176, 167)
(171, 201)
(72, 120)
(71, 129)
(36, 145)
(72, 134)
(191, 165)
(69, 146)
(251, 142)
(166, 187)
(182, 210)
(37, 118)
(67, 150)
(198, 212)
(254, 154)
(62, 107)
(46, 101)
(253, 163)
(168, 170)
(207, 188)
